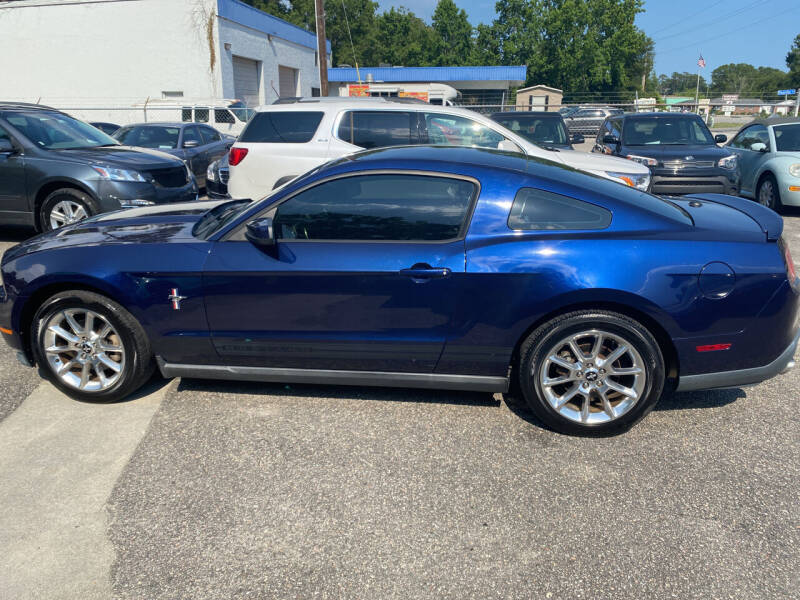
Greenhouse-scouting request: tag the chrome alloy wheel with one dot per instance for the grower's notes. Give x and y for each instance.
(592, 377)
(66, 212)
(766, 193)
(83, 349)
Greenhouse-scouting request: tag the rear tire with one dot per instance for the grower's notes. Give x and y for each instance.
(614, 383)
(90, 347)
(64, 207)
(768, 193)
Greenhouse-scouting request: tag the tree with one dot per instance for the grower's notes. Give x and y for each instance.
(403, 39)
(793, 62)
(453, 34)
(680, 84)
(733, 78)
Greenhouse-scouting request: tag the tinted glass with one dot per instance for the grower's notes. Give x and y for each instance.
(451, 130)
(210, 135)
(378, 207)
(787, 137)
(377, 129)
(190, 134)
(281, 127)
(538, 209)
(539, 130)
(151, 136)
(223, 116)
(676, 131)
(4, 135)
(55, 131)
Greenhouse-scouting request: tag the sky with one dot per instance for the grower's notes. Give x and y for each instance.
(758, 32)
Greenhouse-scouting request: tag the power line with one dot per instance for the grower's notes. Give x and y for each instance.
(707, 24)
(749, 25)
(693, 15)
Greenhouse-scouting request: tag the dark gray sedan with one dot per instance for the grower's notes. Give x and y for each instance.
(196, 144)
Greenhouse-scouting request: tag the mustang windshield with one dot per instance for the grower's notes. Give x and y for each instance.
(672, 131)
(217, 217)
(787, 137)
(56, 131)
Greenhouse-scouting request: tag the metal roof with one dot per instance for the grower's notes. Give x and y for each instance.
(516, 74)
(246, 15)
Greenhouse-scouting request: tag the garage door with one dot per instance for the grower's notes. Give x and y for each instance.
(246, 80)
(288, 81)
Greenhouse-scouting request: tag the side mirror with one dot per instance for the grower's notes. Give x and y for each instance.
(759, 147)
(191, 144)
(610, 139)
(6, 147)
(260, 233)
(720, 138)
(577, 138)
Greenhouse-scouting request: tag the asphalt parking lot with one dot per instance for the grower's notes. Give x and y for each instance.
(198, 489)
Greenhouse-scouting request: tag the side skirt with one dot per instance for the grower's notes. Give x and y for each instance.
(472, 383)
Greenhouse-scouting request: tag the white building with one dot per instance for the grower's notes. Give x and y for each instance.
(76, 54)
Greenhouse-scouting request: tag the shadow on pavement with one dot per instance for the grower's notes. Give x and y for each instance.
(15, 233)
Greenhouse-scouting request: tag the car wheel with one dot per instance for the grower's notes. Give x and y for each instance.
(64, 207)
(768, 193)
(591, 373)
(90, 347)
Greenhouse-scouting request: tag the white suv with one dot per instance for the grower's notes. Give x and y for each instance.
(282, 141)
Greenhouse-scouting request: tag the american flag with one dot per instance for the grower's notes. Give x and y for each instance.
(701, 62)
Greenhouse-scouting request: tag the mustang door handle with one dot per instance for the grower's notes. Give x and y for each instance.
(422, 272)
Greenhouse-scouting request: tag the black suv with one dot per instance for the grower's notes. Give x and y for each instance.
(679, 149)
(588, 119)
(56, 170)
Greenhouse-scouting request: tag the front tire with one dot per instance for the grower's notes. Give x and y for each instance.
(64, 207)
(591, 373)
(90, 347)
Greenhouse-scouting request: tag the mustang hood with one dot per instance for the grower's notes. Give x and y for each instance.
(152, 224)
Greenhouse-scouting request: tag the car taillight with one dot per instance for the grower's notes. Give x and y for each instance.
(236, 155)
(791, 272)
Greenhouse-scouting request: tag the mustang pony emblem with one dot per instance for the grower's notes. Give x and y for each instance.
(176, 298)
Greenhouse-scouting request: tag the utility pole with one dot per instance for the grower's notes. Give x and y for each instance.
(322, 47)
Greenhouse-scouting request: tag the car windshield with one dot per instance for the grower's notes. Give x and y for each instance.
(787, 137)
(544, 131)
(150, 136)
(217, 217)
(241, 112)
(56, 131)
(672, 131)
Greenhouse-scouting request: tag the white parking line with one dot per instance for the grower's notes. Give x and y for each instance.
(59, 460)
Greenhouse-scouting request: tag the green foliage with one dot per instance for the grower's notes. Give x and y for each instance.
(452, 35)
(747, 80)
(681, 84)
(403, 39)
(793, 63)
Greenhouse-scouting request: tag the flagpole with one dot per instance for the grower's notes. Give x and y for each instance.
(697, 90)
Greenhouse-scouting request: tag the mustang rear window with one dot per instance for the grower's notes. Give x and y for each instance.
(538, 209)
(281, 127)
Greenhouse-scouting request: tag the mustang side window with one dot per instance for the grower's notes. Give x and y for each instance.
(541, 210)
(378, 208)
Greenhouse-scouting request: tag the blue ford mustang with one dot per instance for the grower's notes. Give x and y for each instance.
(419, 266)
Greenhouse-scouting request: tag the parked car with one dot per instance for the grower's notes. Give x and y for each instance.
(56, 170)
(107, 128)
(196, 144)
(542, 128)
(217, 179)
(460, 268)
(282, 141)
(769, 160)
(588, 119)
(678, 148)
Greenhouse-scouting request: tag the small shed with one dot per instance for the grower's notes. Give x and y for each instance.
(539, 97)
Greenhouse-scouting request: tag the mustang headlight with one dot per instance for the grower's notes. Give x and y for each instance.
(729, 162)
(794, 170)
(640, 181)
(643, 160)
(115, 174)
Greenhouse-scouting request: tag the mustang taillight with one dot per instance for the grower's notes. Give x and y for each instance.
(236, 155)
